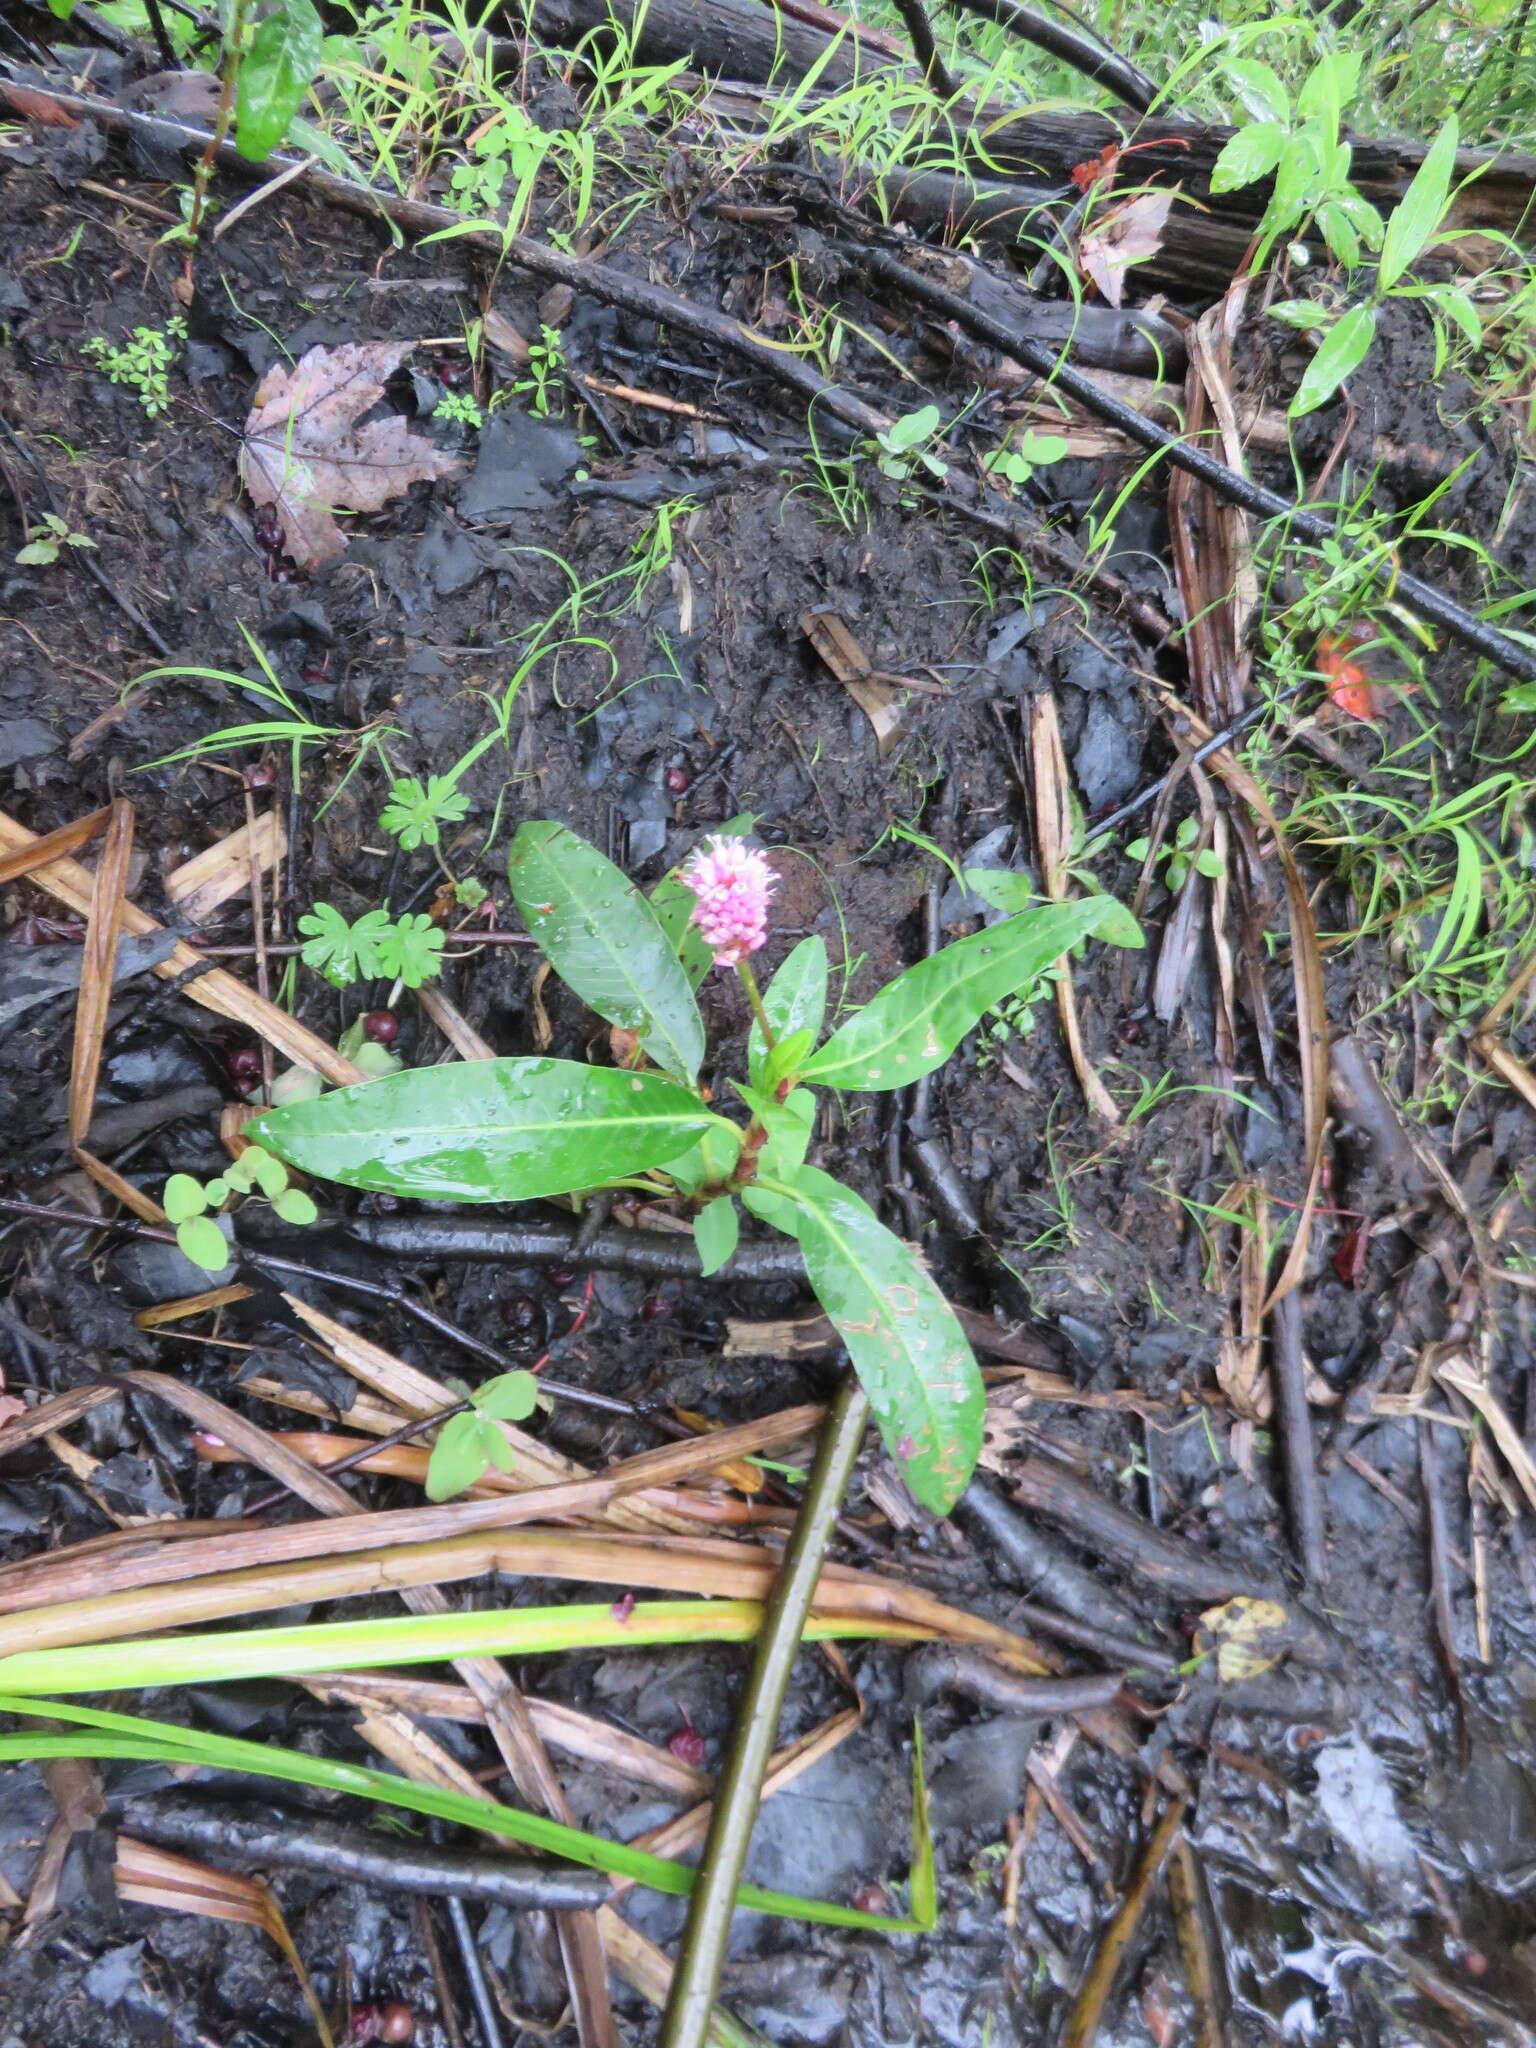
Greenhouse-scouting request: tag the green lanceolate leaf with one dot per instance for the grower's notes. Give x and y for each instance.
(275, 73)
(489, 1130)
(1418, 213)
(795, 1000)
(916, 1021)
(923, 1884)
(716, 1230)
(906, 1345)
(1341, 354)
(604, 941)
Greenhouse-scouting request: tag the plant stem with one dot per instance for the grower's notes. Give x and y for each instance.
(233, 50)
(738, 1790)
(755, 998)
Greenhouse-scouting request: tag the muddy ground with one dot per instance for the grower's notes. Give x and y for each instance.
(1366, 1848)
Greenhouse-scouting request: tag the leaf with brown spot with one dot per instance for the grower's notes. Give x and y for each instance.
(309, 451)
(1131, 234)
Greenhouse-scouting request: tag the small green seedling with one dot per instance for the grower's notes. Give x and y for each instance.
(469, 1444)
(903, 446)
(47, 539)
(460, 407)
(415, 812)
(546, 366)
(142, 364)
(1178, 856)
(190, 1204)
(404, 949)
(1015, 463)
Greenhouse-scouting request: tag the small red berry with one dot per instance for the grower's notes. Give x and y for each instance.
(261, 776)
(656, 1308)
(623, 1608)
(382, 1027)
(687, 1745)
(365, 2023)
(677, 781)
(397, 2023)
(245, 1066)
(872, 1898)
(561, 1277)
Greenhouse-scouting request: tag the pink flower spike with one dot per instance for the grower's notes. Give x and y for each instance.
(733, 883)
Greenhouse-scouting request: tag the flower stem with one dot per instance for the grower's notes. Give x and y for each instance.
(755, 998)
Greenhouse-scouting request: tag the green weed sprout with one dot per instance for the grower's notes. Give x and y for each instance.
(142, 363)
(469, 1444)
(345, 950)
(189, 1203)
(518, 1129)
(47, 540)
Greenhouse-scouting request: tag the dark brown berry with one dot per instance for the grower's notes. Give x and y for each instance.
(261, 776)
(279, 572)
(381, 1026)
(687, 1745)
(561, 1277)
(872, 1898)
(397, 2022)
(677, 781)
(656, 1308)
(365, 2023)
(245, 1066)
(525, 1318)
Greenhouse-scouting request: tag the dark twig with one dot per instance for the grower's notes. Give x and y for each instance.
(486, 2016)
(361, 1855)
(1439, 1543)
(738, 1790)
(1233, 489)
(1288, 1371)
(950, 1667)
(612, 1251)
(1040, 1562)
(1068, 46)
(1088, 2009)
(265, 1262)
(935, 72)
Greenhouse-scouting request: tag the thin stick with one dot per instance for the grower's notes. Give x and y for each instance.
(695, 1981)
(1093, 60)
(1288, 1373)
(1083, 2025)
(935, 72)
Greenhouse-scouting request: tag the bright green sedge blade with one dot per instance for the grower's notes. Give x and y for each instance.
(142, 1662)
(125, 1736)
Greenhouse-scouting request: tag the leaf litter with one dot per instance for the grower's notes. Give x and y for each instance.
(309, 450)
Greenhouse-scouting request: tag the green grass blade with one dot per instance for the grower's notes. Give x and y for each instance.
(123, 1736)
(212, 1659)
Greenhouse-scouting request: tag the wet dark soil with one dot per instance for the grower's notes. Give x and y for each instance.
(1366, 1832)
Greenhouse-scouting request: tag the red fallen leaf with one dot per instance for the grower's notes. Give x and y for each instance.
(1100, 169)
(1349, 1260)
(1130, 234)
(1351, 688)
(307, 448)
(36, 106)
(623, 1608)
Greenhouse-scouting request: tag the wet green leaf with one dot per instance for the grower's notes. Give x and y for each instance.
(716, 1230)
(502, 1130)
(294, 1206)
(1251, 153)
(1418, 213)
(604, 941)
(795, 1001)
(1345, 348)
(916, 1021)
(905, 1342)
(276, 71)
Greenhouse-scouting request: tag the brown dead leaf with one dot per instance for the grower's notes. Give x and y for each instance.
(1130, 234)
(308, 450)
